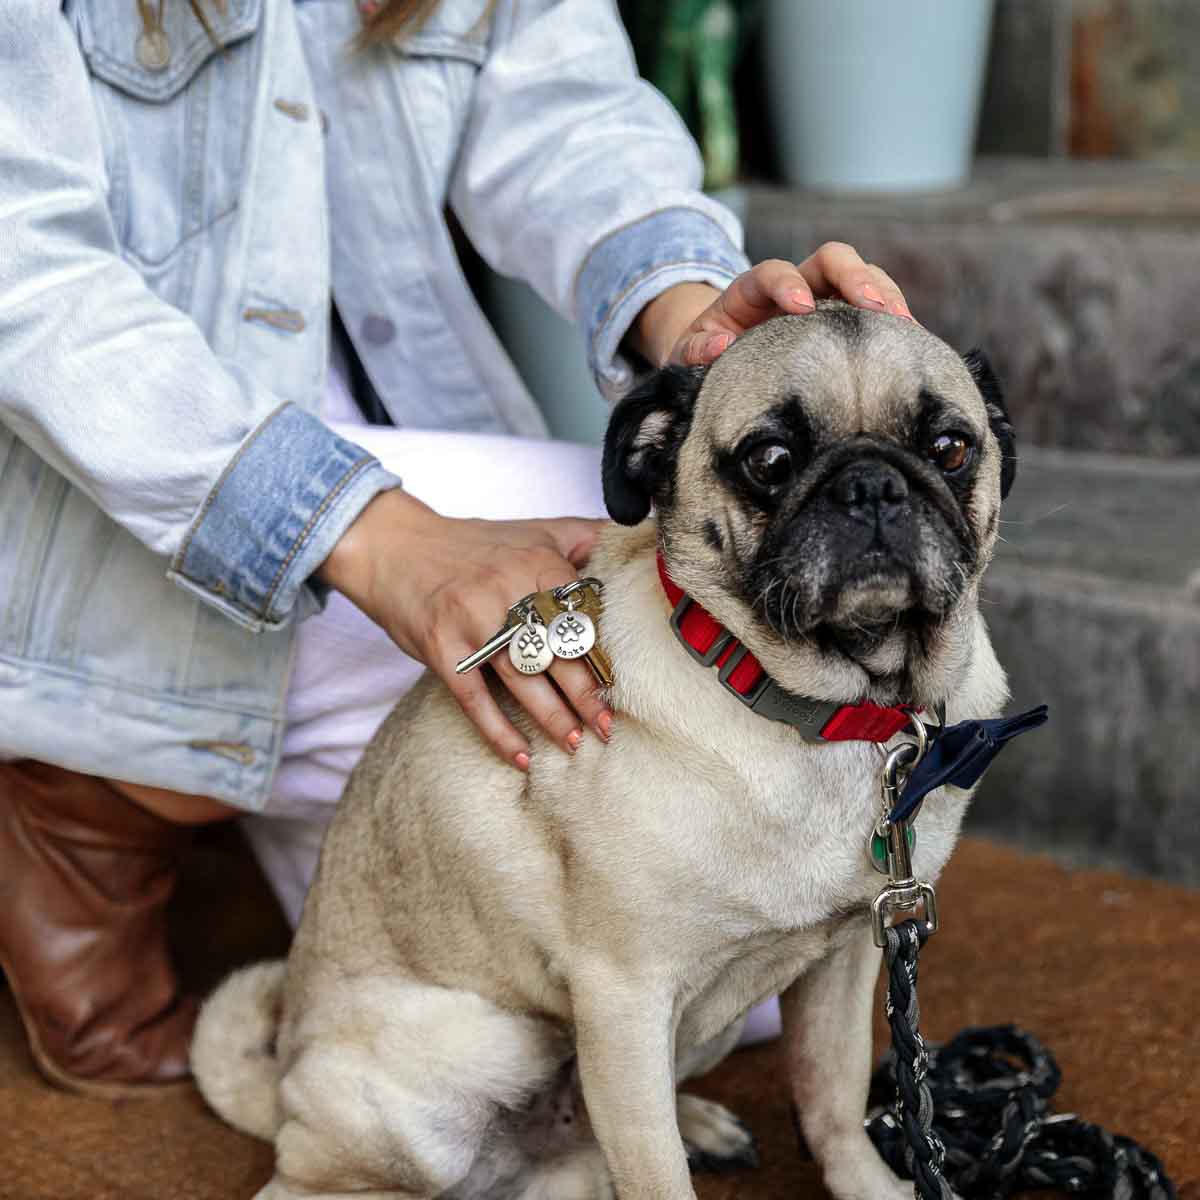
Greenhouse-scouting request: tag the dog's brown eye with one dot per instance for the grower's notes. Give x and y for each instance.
(769, 464)
(950, 451)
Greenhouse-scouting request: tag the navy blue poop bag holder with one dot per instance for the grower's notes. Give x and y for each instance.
(960, 754)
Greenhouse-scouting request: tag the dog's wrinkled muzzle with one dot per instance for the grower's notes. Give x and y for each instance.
(871, 492)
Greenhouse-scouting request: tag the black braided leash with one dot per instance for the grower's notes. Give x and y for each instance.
(970, 1118)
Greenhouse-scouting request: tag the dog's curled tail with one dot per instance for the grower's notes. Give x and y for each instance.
(233, 1048)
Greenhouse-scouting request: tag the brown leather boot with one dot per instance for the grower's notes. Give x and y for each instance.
(85, 875)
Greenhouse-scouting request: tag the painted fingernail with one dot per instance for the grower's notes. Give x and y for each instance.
(604, 724)
(872, 293)
(522, 761)
(801, 300)
(717, 344)
(574, 738)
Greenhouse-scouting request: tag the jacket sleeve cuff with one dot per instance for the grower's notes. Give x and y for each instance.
(640, 261)
(280, 506)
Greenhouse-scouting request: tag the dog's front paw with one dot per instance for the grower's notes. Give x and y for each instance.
(856, 1172)
(714, 1138)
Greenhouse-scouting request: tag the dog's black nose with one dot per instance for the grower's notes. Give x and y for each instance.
(873, 492)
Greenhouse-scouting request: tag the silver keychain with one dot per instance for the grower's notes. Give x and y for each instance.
(579, 636)
(572, 633)
(529, 650)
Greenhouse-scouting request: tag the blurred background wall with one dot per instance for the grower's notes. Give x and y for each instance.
(1094, 79)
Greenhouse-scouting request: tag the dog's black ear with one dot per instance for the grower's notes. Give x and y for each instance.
(997, 411)
(644, 434)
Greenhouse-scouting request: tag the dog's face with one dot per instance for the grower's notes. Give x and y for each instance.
(830, 489)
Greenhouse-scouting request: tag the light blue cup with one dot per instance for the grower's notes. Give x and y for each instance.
(875, 95)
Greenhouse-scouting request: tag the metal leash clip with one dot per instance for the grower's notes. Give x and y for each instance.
(892, 844)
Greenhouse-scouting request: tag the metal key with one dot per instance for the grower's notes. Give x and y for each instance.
(498, 641)
(489, 649)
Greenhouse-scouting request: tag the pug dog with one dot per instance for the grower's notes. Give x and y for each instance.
(500, 979)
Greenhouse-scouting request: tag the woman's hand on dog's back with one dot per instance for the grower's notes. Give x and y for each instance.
(441, 587)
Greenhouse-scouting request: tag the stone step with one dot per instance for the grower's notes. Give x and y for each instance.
(1074, 277)
(1094, 608)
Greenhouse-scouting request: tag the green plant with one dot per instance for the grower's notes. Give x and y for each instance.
(688, 49)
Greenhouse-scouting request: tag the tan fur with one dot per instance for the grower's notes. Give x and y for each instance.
(237, 1036)
(471, 929)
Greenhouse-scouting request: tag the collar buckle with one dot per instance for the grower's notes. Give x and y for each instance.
(753, 694)
(722, 638)
(767, 699)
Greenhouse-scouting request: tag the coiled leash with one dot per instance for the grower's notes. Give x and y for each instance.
(971, 1118)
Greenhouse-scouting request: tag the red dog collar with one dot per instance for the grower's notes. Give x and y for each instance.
(742, 675)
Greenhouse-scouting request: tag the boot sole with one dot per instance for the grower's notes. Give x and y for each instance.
(92, 1088)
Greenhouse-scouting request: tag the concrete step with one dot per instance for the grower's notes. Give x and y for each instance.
(1074, 277)
(1093, 602)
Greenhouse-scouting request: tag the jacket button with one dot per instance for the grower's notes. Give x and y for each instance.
(153, 50)
(378, 330)
(293, 109)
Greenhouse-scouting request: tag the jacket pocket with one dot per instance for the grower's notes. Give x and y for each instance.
(173, 113)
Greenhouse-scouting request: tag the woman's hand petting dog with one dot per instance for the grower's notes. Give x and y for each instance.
(692, 323)
(441, 587)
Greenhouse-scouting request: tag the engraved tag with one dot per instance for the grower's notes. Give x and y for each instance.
(571, 634)
(529, 650)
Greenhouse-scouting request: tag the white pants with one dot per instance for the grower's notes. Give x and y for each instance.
(348, 674)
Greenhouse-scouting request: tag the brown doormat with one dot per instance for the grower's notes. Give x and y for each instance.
(1103, 968)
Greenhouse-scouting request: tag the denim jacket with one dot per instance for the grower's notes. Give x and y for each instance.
(171, 233)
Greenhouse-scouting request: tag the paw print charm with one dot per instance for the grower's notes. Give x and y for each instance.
(571, 634)
(528, 651)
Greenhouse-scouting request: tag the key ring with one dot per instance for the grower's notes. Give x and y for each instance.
(564, 593)
(520, 607)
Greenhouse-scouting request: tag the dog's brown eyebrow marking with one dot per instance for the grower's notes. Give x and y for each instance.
(792, 416)
(934, 415)
(935, 408)
(932, 406)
